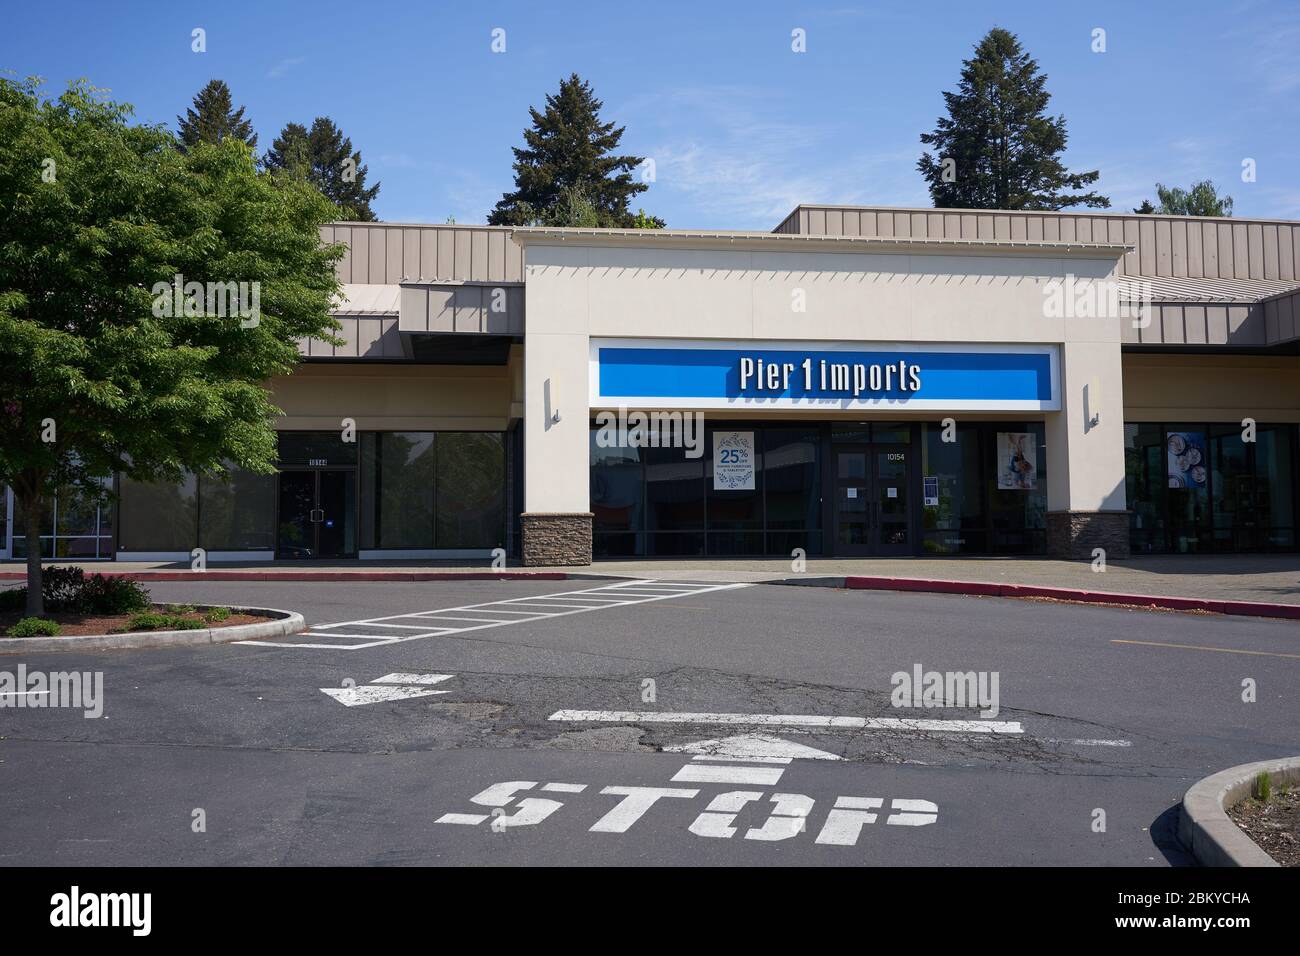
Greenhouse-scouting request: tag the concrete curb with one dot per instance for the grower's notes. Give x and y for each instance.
(280, 624)
(314, 575)
(988, 589)
(1203, 823)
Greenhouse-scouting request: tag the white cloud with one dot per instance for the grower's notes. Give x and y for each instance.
(732, 161)
(284, 66)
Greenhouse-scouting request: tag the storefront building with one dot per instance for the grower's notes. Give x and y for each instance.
(860, 381)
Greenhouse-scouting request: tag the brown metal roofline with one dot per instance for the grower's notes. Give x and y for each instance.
(688, 238)
(1089, 213)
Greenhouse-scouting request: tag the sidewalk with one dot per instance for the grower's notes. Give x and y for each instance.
(1261, 578)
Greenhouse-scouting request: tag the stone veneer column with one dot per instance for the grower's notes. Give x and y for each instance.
(1074, 534)
(556, 539)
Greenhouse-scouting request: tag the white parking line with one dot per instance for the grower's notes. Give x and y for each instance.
(543, 607)
(789, 720)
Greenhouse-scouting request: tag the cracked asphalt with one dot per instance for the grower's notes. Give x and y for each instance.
(1121, 711)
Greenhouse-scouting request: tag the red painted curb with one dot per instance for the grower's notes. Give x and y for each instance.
(1167, 602)
(318, 575)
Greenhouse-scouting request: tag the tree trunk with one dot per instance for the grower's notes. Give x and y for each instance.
(35, 600)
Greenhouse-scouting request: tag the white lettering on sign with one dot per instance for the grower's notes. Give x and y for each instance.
(857, 377)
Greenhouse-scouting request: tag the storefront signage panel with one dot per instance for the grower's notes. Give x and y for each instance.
(657, 373)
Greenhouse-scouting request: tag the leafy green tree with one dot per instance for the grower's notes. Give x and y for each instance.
(146, 296)
(569, 149)
(997, 148)
(212, 119)
(1202, 199)
(324, 157)
(1146, 209)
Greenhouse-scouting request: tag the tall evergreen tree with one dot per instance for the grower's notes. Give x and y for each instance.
(324, 157)
(997, 148)
(211, 119)
(569, 158)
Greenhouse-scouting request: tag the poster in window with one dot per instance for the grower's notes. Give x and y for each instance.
(733, 461)
(1017, 461)
(1185, 455)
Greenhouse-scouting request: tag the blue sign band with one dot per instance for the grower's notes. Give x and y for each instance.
(707, 373)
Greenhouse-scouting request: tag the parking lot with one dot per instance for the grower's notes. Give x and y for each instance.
(612, 722)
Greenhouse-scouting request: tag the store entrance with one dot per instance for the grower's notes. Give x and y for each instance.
(317, 514)
(872, 515)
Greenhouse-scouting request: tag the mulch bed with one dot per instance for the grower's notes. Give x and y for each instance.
(80, 625)
(1274, 826)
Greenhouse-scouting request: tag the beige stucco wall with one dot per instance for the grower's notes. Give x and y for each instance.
(580, 290)
(1211, 388)
(407, 397)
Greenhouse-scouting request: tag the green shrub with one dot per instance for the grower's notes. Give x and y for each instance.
(153, 621)
(111, 595)
(62, 587)
(1263, 788)
(34, 627)
(216, 614)
(68, 589)
(181, 608)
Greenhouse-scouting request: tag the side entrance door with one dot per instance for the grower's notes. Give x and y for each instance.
(317, 514)
(871, 511)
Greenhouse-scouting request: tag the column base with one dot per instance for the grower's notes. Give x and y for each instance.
(556, 539)
(1074, 534)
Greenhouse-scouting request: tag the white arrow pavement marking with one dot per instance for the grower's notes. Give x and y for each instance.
(754, 747)
(790, 720)
(397, 686)
(400, 678)
(376, 694)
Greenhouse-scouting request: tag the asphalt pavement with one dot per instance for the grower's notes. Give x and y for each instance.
(608, 723)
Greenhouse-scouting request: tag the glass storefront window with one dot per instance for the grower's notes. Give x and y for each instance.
(1232, 490)
(75, 523)
(792, 484)
(1189, 493)
(1201, 487)
(237, 514)
(1275, 488)
(471, 485)
(1146, 487)
(955, 525)
(398, 479)
(616, 490)
(158, 517)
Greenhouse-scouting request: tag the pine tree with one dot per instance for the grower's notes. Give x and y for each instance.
(324, 157)
(569, 158)
(211, 119)
(997, 148)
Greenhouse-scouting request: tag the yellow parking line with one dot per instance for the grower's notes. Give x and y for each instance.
(1201, 647)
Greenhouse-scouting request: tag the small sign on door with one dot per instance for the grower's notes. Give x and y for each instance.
(853, 492)
(931, 492)
(891, 492)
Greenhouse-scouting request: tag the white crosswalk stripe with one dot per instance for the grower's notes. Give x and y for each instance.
(392, 629)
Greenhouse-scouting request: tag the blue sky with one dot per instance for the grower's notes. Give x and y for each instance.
(741, 128)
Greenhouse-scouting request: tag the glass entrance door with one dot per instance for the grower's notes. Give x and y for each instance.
(871, 508)
(317, 516)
